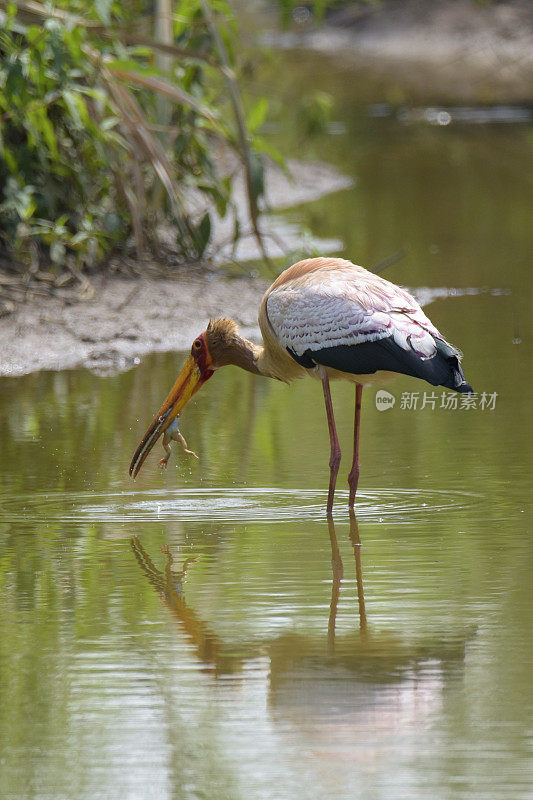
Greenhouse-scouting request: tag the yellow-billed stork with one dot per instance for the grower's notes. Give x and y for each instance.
(330, 319)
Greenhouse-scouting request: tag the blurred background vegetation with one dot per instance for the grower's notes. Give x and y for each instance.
(123, 125)
(110, 114)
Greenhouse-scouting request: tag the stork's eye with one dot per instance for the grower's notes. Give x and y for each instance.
(197, 344)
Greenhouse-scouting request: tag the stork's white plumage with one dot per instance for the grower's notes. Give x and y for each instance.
(330, 319)
(347, 306)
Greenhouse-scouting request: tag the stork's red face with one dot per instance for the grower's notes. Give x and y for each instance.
(197, 370)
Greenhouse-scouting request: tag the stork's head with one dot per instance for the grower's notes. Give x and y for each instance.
(218, 345)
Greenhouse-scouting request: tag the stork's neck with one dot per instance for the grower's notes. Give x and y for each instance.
(246, 355)
(258, 359)
(272, 363)
(275, 362)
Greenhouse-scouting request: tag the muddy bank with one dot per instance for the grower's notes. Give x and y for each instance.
(122, 322)
(453, 50)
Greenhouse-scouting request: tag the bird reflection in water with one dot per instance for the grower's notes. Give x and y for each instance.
(366, 678)
(168, 583)
(338, 574)
(379, 657)
(337, 700)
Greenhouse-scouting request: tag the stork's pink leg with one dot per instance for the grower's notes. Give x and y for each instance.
(335, 457)
(353, 477)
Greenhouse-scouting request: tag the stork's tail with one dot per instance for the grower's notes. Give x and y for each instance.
(451, 356)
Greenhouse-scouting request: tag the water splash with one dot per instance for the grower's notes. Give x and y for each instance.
(235, 504)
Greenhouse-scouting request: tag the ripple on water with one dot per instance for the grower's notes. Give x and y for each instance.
(236, 504)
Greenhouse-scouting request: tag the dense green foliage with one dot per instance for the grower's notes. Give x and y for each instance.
(103, 131)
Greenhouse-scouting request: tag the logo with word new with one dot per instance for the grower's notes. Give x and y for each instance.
(384, 400)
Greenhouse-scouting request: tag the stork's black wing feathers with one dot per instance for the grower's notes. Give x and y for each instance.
(442, 369)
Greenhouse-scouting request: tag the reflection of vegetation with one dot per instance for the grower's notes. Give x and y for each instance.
(88, 154)
(81, 433)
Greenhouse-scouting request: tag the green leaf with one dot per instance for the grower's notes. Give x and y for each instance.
(236, 232)
(218, 193)
(203, 233)
(264, 146)
(9, 158)
(91, 91)
(130, 65)
(163, 87)
(33, 33)
(42, 126)
(77, 109)
(29, 210)
(78, 238)
(257, 115)
(257, 176)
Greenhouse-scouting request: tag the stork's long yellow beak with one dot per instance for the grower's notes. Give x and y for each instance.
(188, 382)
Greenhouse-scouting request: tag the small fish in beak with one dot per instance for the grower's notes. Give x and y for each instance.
(173, 433)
